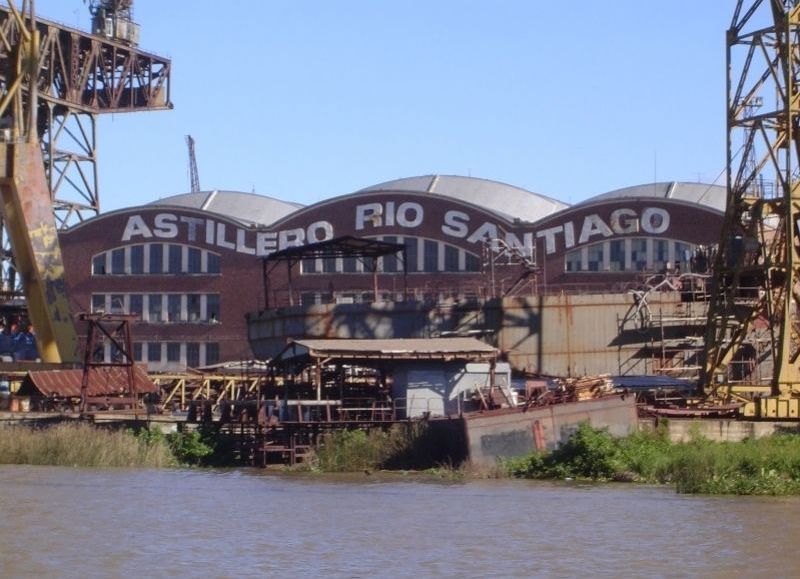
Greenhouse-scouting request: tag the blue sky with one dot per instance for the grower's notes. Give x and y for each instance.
(305, 100)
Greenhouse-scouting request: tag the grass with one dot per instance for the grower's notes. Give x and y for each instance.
(766, 466)
(84, 445)
(81, 445)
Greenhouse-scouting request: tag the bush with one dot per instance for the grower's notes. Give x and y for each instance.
(190, 447)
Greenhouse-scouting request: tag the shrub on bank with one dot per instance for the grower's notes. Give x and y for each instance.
(767, 466)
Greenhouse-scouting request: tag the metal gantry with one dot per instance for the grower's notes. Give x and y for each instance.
(79, 76)
(754, 293)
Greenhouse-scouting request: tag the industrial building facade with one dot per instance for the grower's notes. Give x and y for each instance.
(191, 266)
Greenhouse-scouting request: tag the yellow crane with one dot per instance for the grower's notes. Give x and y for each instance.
(752, 319)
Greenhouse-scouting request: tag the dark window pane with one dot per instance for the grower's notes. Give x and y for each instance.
(175, 259)
(213, 263)
(98, 303)
(137, 351)
(212, 353)
(473, 262)
(193, 354)
(156, 308)
(136, 304)
(118, 303)
(212, 308)
(156, 258)
(137, 259)
(193, 307)
(431, 256)
(173, 352)
(154, 352)
(450, 258)
(412, 252)
(118, 261)
(173, 308)
(194, 265)
(99, 264)
(390, 263)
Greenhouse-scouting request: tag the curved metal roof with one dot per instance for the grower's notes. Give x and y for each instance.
(500, 198)
(713, 196)
(249, 208)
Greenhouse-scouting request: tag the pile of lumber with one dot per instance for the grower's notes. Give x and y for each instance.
(586, 388)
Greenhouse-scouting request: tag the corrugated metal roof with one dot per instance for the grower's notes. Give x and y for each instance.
(506, 200)
(249, 208)
(712, 196)
(102, 382)
(391, 348)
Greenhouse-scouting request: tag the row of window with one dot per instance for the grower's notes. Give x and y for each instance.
(157, 308)
(155, 259)
(422, 256)
(630, 254)
(161, 355)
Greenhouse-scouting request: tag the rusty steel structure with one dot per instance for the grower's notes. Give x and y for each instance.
(113, 331)
(756, 279)
(78, 76)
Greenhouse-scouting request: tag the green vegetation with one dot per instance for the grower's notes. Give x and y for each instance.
(401, 447)
(89, 446)
(767, 466)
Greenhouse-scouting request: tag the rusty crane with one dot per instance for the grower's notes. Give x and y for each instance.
(56, 80)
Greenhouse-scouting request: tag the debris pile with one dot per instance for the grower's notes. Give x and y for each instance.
(562, 390)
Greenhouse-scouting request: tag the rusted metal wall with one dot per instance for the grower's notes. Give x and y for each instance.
(582, 335)
(492, 435)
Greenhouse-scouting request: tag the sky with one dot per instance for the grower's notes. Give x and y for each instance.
(305, 100)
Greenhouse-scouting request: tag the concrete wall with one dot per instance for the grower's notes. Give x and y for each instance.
(719, 430)
(492, 435)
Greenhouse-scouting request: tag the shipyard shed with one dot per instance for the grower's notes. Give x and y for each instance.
(419, 377)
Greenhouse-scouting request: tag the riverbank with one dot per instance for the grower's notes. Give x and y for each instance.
(764, 466)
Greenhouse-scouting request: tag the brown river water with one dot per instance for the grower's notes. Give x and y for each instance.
(61, 522)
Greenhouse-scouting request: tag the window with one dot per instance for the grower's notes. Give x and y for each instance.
(350, 264)
(329, 265)
(137, 351)
(156, 258)
(639, 254)
(98, 303)
(192, 354)
(213, 263)
(431, 256)
(473, 263)
(175, 259)
(173, 352)
(573, 260)
(683, 255)
(117, 303)
(212, 353)
(390, 262)
(309, 266)
(99, 264)
(118, 261)
(173, 308)
(660, 254)
(596, 255)
(450, 258)
(193, 307)
(412, 253)
(155, 311)
(136, 306)
(617, 255)
(212, 308)
(195, 264)
(154, 352)
(137, 259)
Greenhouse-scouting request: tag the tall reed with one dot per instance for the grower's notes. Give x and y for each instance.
(81, 445)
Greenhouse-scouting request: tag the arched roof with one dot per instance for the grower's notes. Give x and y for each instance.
(712, 196)
(249, 208)
(506, 200)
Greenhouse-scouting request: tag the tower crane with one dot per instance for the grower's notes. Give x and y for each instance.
(755, 292)
(194, 176)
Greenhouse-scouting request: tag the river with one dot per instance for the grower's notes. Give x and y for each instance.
(61, 522)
